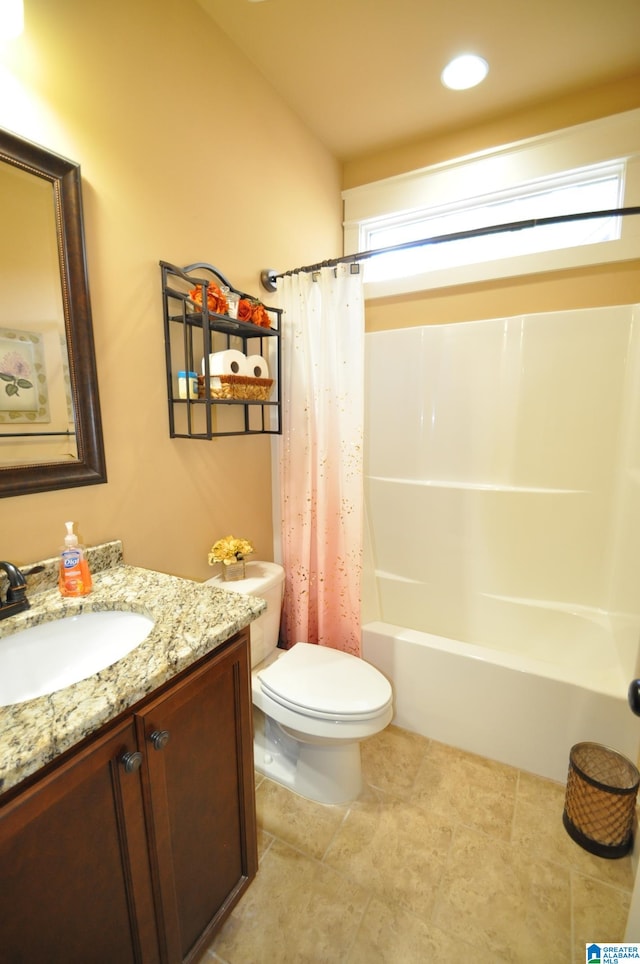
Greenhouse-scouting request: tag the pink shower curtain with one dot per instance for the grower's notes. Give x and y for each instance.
(321, 456)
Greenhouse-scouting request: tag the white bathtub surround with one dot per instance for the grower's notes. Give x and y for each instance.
(508, 451)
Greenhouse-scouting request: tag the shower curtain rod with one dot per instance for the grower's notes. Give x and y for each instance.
(269, 276)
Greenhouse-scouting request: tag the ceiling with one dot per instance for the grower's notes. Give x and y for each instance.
(365, 74)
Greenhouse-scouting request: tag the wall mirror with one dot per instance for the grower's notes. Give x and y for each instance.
(50, 424)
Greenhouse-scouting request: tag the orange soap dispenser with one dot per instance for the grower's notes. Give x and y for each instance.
(75, 578)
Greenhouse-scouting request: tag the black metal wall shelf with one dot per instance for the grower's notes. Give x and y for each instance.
(192, 333)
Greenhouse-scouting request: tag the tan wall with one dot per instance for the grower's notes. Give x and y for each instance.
(186, 156)
(540, 118)
(617, 284)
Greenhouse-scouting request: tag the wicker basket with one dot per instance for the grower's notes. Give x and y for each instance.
(600, 801)
(236, 387)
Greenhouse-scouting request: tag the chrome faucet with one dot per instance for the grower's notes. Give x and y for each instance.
(16, 599)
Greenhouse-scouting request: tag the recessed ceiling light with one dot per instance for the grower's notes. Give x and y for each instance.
(465, 71)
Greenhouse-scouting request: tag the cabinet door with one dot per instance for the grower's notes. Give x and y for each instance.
(75, 882)
(201, 798)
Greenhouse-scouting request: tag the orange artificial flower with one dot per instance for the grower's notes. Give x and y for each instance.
(245, 309)
(260, 316)
(254, 312)
(216, 301)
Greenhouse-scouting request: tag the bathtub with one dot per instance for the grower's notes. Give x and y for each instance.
(516, 709)
(502, 531)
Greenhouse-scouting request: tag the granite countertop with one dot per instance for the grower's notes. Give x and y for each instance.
(190, 620)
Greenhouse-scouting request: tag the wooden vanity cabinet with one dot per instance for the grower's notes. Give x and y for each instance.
(75, 882)
(137, 845)
(199, 787)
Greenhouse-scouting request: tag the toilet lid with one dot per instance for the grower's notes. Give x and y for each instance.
(325, 682)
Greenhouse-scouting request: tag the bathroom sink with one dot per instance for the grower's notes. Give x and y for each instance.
(55, 654)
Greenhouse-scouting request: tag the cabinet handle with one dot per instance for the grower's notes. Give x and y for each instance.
(159, 739)
(131, 761)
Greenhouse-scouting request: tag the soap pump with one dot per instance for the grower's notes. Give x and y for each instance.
(75, 578)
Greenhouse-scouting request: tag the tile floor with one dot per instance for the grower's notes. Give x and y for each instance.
(445, 856)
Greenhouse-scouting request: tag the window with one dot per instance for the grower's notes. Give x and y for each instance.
(449, 199)
(598, 189)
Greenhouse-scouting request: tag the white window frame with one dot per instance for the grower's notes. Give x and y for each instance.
(506, 170)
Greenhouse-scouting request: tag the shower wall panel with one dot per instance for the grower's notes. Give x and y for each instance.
(499, 461)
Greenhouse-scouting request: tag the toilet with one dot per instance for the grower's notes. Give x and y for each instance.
(312, 705)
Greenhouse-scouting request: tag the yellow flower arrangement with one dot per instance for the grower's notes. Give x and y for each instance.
(229, 550)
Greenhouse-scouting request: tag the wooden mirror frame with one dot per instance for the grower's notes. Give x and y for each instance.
(89, 468)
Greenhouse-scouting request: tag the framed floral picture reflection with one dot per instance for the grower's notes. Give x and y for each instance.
(24, 395)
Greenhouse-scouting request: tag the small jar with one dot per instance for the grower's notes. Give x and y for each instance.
(187, 385)
(233, 300)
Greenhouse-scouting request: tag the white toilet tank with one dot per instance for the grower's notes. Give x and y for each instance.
(266, 580)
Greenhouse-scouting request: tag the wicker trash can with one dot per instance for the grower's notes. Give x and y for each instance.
(600, 800)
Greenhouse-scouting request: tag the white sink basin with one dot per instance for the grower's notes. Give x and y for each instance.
(55, 654)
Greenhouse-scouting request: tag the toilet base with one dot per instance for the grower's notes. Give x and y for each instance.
(329, 774)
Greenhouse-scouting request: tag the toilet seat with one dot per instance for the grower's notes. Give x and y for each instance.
(326, 683)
